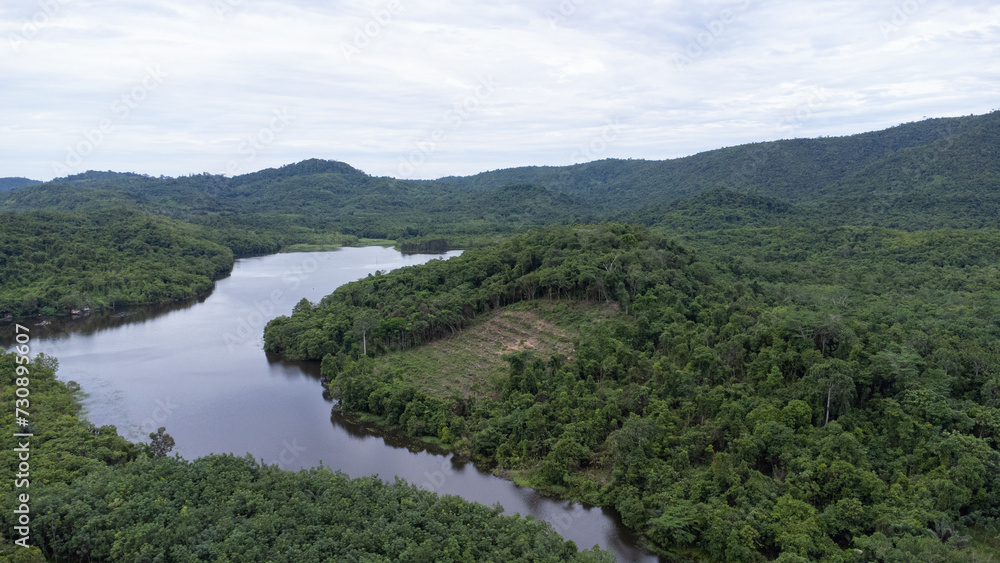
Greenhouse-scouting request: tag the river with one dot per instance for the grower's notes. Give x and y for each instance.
(200, 371)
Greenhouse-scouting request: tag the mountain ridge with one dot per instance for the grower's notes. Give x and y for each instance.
(12, 183)
(939, 172)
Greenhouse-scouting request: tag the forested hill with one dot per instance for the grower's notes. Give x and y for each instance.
(938, 173)
(793, 356)
(720, 208)
(307, 198)
(791, 394)
(53, 263)
(934, 173)
(11, 183)
(959, 154)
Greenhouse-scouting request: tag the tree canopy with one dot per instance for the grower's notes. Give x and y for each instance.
(780, 394)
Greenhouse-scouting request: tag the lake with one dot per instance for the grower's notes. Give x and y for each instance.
(199, 370)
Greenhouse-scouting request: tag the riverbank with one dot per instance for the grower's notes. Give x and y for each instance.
(354, 242)
(475, 362)
(199, 370)
(219, 497)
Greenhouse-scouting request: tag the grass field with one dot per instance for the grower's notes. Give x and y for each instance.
(336, 243)
(469, 361)
(303, 247)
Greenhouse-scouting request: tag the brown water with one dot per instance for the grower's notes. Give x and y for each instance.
(200, 371)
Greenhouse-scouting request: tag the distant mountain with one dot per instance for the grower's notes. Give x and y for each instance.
(14, 183)
(951, 181)
(314, 196)
(304, 168)
(720, 208)
(912, 167)
(934, 173)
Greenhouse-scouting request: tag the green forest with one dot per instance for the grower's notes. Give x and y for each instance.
(932, 174)
(53, 263)
(783, 351)
(790, 407)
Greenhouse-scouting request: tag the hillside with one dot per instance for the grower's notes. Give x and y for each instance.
(933, 174)
(777, 351)
(472, 360)
(52, 263)
(722, 209)
(14, 183)
(788, 393)
(929, 174)
(296, 202)
(942, 160)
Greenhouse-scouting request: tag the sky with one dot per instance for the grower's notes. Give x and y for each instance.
(424, 90)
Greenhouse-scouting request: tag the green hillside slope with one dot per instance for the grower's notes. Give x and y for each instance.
(787, 393)
(929, 174)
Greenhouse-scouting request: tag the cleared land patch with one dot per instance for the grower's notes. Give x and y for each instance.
(466, 362)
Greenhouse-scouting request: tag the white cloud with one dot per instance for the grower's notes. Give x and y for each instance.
(679, 77)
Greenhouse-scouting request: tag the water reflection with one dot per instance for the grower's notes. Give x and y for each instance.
(55, 329)
(353, 425)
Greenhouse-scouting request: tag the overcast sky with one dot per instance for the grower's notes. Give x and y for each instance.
(423, 90)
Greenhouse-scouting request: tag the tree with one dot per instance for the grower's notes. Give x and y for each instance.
(160, 443)
(363, 323)
(833, 380)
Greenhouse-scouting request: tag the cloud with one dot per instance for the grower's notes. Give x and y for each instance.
(367, 81)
